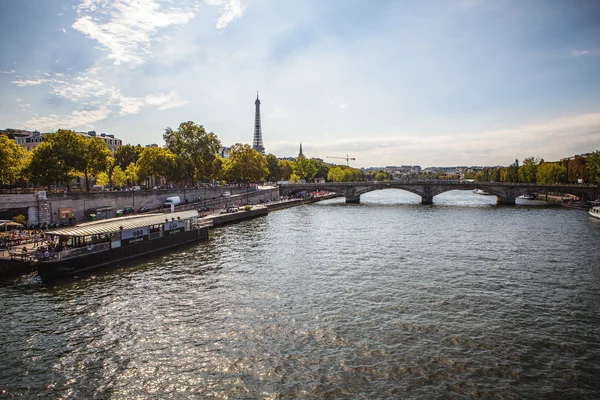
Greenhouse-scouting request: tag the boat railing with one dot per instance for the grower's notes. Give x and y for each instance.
(60, 255)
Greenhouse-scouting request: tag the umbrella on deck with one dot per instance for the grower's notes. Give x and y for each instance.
(6, 224)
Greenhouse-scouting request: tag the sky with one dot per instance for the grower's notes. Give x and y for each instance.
(399, 82)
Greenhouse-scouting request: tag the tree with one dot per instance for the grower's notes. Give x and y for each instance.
(528, 171)
(119, 177)
(246, 164)
(94, 158)
(342, 173)
(57, 158)
(512, 172)
(550, 173)
(158, 162)
(43, 166)
(322, 169)
(381, 176)
(127, 154)
(274, 168)
(131, 173)
(102, 179)
(287, 169)
(12, 161)
(197, 148)
(593, 167)
(305, 168)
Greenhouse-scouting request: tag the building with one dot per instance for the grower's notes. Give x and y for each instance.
(257, 143)
(28, 140)
(112, 143)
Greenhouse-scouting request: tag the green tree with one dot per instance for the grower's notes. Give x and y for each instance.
(197, 148)
(64, 150)
(381, 176)
(287, 169)
(119, 177)
(94, 158)
(102, 179)
(528, 171)
(305, 168)
(131, 173)
(322, 169)
(12, 161)
(44, 167)
(512, 172)
(593, 167)
(158, 162)
(294, 178)
(342, 173)
(274, 168)
(551, 173)
(245, 164)
(127, 154)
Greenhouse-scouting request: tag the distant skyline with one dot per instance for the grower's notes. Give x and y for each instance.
(435, 83)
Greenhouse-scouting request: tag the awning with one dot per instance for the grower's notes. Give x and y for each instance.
(114, 225)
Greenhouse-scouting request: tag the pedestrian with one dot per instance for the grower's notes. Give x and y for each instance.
(36, 240)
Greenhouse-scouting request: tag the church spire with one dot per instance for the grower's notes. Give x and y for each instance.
(300, 154)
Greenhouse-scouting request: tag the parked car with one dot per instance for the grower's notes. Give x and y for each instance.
(143, 209)
(175, 200)
(226, 194)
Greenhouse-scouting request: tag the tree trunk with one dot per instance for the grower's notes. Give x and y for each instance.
(87, 183)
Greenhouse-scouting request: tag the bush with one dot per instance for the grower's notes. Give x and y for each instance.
(20, 219)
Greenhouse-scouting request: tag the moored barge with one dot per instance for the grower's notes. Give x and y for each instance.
(94, 244)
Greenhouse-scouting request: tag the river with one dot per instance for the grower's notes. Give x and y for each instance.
(386, 299)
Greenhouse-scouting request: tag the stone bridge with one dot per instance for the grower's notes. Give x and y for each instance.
(505, 193)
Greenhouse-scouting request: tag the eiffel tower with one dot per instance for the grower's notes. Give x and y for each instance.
(258, 142)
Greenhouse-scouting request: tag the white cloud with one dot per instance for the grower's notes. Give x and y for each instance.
(230, 10)
(76, 119)
(165, 101)
(579, 53)
(87, 90)
(550, 140)
(63, 30)
(127, 27)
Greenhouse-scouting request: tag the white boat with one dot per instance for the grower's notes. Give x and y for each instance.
(481, 191)
(529, 196)
(595, 212)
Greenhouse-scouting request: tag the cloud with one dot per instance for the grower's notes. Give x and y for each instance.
(551, 140)
(165, 101)
(75, 119)
(12, 71)
(230, 10)
(87, 90)
(126, 28)
(579, 53)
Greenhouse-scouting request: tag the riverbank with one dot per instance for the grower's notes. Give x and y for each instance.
(11, 267)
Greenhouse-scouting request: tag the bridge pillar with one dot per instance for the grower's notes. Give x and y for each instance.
(505, 200)
(426, 199)
(352, 199)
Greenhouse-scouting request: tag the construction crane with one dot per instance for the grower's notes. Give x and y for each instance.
(345, 158)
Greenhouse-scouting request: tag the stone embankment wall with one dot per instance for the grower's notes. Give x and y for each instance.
(41, 209)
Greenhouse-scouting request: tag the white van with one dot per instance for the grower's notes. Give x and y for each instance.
(175, 200)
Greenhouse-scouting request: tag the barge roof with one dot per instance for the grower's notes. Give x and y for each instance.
(113, 225)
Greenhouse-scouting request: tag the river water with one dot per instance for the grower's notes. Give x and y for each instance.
(386, 299)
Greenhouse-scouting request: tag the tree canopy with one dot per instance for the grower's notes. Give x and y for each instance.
(245, 164)
(196, 147)
(12, 161)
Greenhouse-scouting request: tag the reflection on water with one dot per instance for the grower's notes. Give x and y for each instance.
(386, 299)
